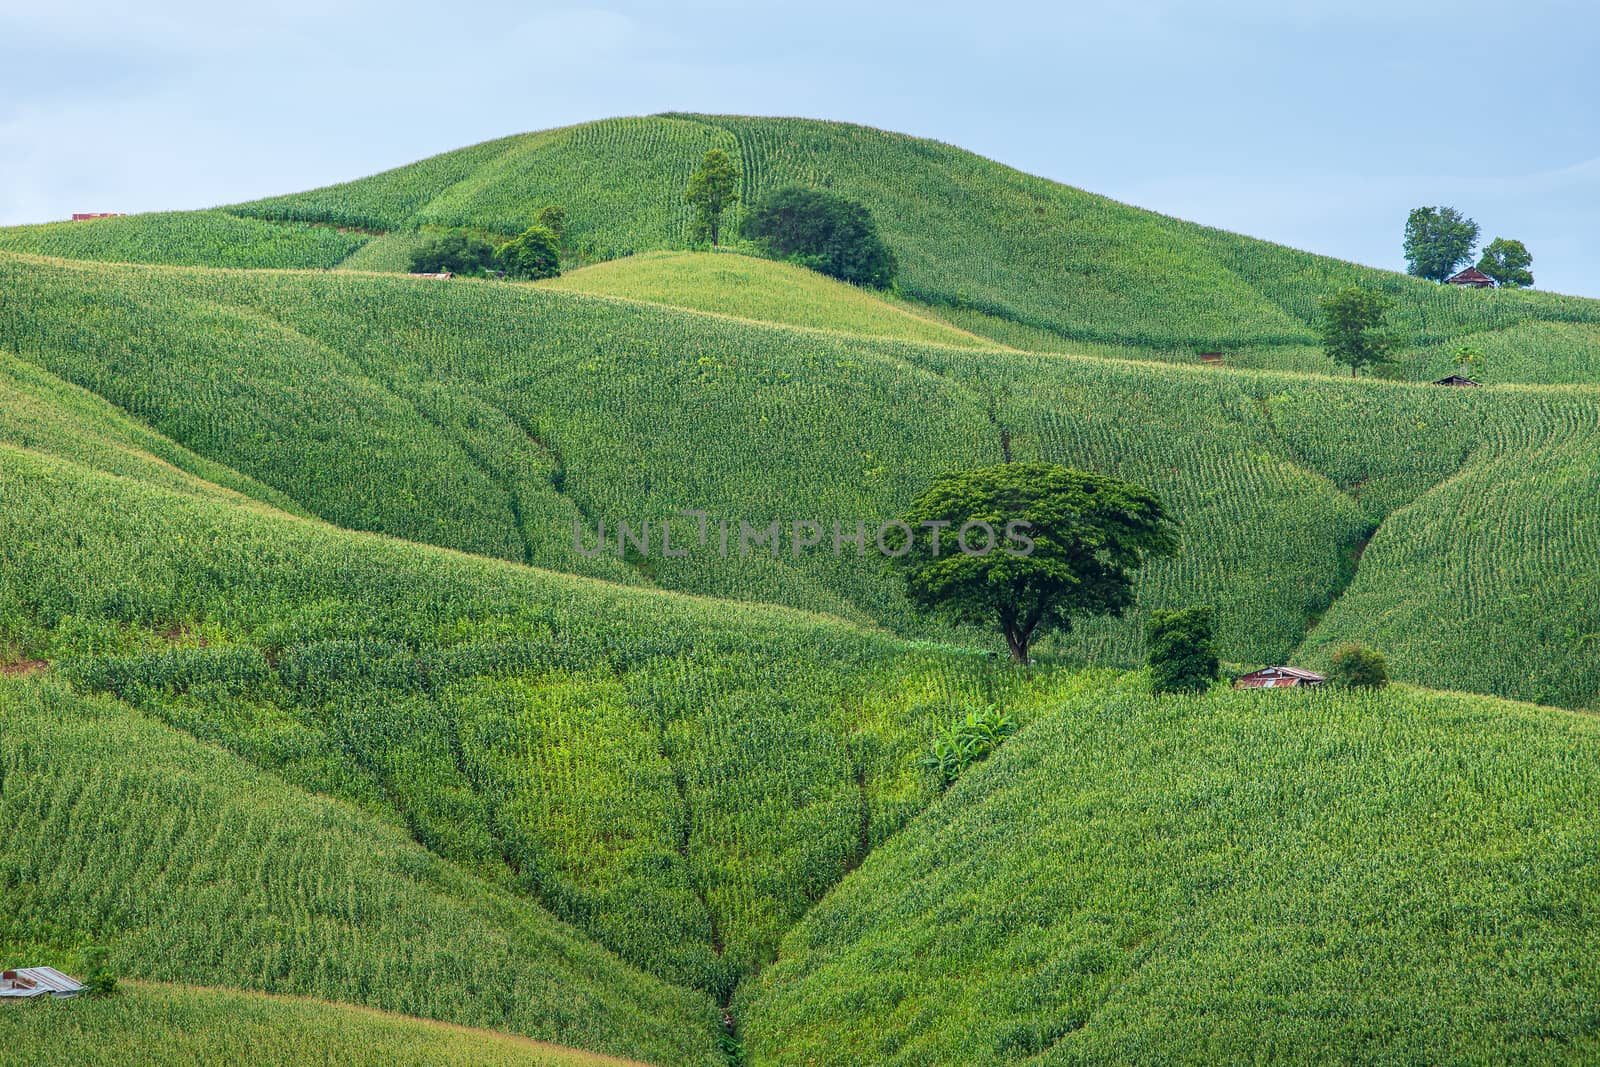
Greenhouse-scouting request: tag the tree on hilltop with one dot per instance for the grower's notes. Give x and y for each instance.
(1438, 241)
(1507, 262)
(1352, 328)
(824, 231)
(712, 189)
(1029, 546)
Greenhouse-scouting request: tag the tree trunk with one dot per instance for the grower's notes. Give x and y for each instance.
(1017, 642)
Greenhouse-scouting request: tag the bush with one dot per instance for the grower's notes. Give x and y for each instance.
(826, 232)
(535, 253)
(456, 251)
(1358, 667)
(97, 976)
(967, 741)
(1182, 651)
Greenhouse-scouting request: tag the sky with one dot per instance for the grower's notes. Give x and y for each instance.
(1318, 125)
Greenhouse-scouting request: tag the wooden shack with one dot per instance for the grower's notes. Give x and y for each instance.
(1211, 359)
(1472, 278)
(1458, 381)
(85, 216)
(1278, 678)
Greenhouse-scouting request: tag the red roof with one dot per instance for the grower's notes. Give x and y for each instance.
(1470, 276)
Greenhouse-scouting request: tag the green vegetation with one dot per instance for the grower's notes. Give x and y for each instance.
(456, 252)
(535, 253)
(1357, 667)
(1438, 241)
(1183, 650)
(188, 238)
(751, 288)
(186, 1026)
(713, 189)
(1029, 546)
(828, 233)
(1286, 877)
(1353, 329)
(967, 741)
(1507, 262)
(193, 866)
(491, 418)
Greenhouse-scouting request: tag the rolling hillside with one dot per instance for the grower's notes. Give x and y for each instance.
(495, 419)
(1240, 878)
(1030, 262)
(318, 701)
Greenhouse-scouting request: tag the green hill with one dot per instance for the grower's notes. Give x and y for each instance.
(1241, 878)
(495, 418)
(190, 1026)
(759, 289)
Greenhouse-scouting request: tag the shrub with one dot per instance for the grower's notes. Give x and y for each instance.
(966, 741)
(97, 975)
(1182, 650)
(824, 231)
(535, 253)
(457, 251)
(1358, 667)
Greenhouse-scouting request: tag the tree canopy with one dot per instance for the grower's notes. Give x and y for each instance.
(1060, 543)
(534, 253)
(1352, 328)
(456, 251)
(713, 188)
(1438, 241)
(824, 231)
(1507, 262)
(1182, 653)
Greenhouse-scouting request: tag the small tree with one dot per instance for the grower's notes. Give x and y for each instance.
(824, 231)
(712, 190)
(1060, 543)
(534, 253)
(1358, 667)
(1438, 240)
(1507, 262)
(456, 251)
(553, 217)
(1182, 652)
(1469, 361)
(97, 975)
(1352, 328)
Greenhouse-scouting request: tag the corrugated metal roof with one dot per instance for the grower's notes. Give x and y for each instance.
(38, 982)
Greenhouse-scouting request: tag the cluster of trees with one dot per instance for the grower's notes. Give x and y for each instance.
(1090, 534)
(1439, 241)
(815, 228)
(534, 253)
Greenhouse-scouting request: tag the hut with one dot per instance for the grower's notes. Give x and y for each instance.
(1211, 359)
(1278, 678)
(38, 982)
(85, 216)
(1472, 278)
(1459, 381)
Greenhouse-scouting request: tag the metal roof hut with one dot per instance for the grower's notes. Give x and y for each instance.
(1458, 380)
(1278, 678)
(38, 982)
(1472, 278)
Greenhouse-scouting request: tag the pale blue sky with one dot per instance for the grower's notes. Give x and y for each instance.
(1315, 124)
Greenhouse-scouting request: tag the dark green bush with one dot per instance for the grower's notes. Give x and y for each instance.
(534, 253)
(456, 251)
(1359, 667)
(824, 231)
(1182, 651)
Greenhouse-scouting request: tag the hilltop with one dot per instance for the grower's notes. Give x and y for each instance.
(1020, 259)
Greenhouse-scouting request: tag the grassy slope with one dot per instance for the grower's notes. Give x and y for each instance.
(1283, 877)
(196, 238)
(200, 868)
(489, 417)
(760, 289)
(190, 1026)
(680, 778)
(1015, 256)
